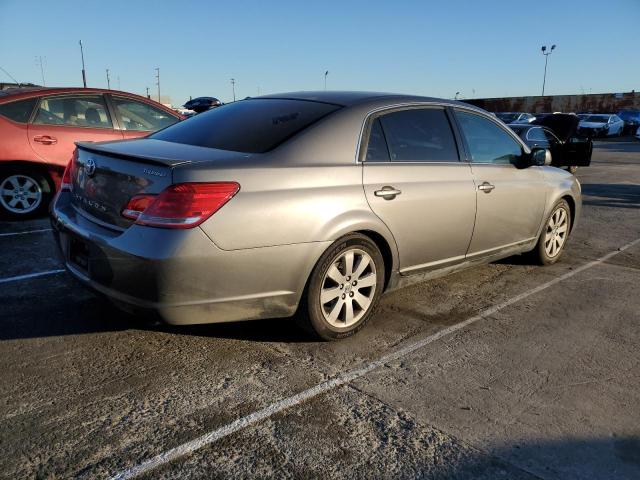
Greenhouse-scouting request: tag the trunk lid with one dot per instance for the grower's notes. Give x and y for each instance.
(564, 125)
(109, 174)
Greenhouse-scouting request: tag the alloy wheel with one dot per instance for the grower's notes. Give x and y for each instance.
(20, 194)
(348, 288)
(556, 232)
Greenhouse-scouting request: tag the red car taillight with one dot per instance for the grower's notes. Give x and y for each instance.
(184, 205)
(67, 182)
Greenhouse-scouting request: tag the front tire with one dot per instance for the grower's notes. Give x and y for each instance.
(24, 193)
(343, 289)
(554, 235)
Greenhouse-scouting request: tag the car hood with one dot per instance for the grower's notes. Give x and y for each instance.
(564, 125)
(592, 124)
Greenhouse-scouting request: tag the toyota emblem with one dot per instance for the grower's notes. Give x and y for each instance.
(90, 167)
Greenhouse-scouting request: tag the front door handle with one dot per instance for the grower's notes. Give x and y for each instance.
(45, 139)
(486, 187)
(387, 192)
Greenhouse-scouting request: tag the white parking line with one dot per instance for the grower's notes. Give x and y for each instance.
(30, 275)
(243, 422)
(11, 234)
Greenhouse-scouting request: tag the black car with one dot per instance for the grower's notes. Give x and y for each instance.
(631, 120)
(557, 132)
(202, 104)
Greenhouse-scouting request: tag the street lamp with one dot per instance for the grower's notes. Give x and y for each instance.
(546, 59)
(233, 88)
(456, 97)
(325, 79)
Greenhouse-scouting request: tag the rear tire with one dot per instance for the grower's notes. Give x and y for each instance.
(24, 193)
(554, 235)
(344, 288)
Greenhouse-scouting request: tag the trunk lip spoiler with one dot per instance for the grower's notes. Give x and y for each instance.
(103, 149)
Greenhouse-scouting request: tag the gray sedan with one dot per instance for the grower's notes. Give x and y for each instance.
(306, 204)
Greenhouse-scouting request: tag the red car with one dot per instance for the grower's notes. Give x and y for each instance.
(38, 129)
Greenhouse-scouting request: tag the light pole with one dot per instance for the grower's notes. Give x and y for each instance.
(148, 96)
(84, 75)
(546, 59)
(108, 81)
(456, 97)
(233, 88)
(158, 82)
(325, 79)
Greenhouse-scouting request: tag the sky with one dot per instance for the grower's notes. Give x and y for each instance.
(487, 48)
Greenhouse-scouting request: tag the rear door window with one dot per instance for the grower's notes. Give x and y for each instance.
(252, 126)
(18, 111)
(536, 135)
(419, 135)
(140, 116)
(74, 111)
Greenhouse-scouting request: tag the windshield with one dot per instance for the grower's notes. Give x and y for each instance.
(508, 117)
(596, 118)
(250, 126)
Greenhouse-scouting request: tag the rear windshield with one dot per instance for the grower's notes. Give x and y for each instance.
(507, 117)
(18, 111)
(251, 126)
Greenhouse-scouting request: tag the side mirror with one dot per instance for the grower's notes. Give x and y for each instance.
(537, 157)
(541, 156)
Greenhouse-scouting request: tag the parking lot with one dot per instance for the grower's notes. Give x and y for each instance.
(508, 370)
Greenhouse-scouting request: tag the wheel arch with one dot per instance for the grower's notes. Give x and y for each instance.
(51, 173)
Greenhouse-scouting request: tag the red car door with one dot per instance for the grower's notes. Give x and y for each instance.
(63, 120)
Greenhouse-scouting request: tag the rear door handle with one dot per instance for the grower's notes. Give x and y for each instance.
(486, 187)
(45, 139)
(387, 192)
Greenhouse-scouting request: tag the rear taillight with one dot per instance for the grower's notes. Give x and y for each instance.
(67, 182)
(184, 205)
(137, 205)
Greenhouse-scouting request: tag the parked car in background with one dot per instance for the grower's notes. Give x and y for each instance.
(631, 120)
(601, 125)
(39, 128)
(202, 104)
(369, 192)
(558, 133)
(515, 117)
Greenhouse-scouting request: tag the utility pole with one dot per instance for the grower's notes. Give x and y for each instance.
(39, 62)
(84, 75)
(148, 96)
(233, 88)
(546, 59)
(158, 82)
(118, 82)
(325, 78)
(108, 81)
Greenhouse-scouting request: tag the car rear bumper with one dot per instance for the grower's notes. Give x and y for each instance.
(180, 273)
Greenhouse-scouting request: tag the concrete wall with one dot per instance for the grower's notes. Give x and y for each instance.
(596, 103)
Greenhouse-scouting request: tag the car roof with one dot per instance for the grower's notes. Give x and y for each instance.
(26, 92)
(350, 98)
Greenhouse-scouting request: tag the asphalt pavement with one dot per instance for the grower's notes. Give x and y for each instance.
(508, 370)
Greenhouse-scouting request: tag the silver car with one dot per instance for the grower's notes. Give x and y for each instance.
(306, 204)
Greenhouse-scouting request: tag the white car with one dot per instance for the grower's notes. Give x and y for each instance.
(601, 125)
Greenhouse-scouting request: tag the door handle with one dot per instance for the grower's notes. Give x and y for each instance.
(486, 187)
(45, 140)
(387, 192)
